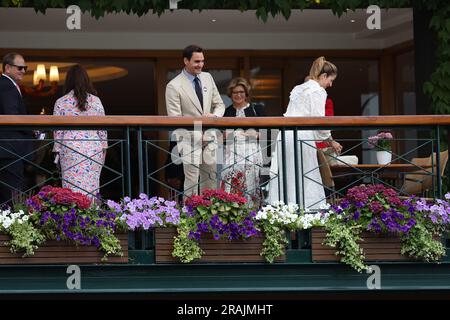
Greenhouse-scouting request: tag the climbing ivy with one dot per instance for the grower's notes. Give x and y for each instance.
(437, 88)
(264, 8)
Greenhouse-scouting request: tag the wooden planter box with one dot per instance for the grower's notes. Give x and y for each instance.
(219, 251)
(62, 252)
(377, 247)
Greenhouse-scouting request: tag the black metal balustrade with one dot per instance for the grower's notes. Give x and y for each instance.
(139, 157)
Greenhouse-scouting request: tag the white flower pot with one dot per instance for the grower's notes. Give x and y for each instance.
(384, 157)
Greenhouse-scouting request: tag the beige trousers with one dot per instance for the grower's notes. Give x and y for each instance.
(199, 165)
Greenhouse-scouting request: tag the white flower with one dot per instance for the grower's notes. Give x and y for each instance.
(279, 213)
(309, 220)
(7, 223)
(7, 218)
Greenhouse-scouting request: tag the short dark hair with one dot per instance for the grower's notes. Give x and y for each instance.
(9, 59)
(189, 50)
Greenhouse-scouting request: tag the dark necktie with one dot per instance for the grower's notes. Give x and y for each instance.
(198, 90)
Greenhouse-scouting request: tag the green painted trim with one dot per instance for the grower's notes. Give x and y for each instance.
(141, 256)
(298, 256)
(148, 256)
(222, 279)
(446, 258)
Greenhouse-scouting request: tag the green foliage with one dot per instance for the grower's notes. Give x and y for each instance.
(416, 222)
(217, 213)
(24, 238)
(264, 8)
(62, 214)
(273, 220)
(185, 248)
(438, 87)
(110, 245)
(344, 238)
(274, 242)
(422, 244)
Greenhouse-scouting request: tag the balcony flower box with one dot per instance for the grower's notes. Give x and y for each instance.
(62, 252)
(217, 226)
(372, 223)
(377, 247)
(58, 225)
(214, 251)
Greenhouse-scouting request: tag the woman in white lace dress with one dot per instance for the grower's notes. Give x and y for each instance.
(306, 100)
(243, 157)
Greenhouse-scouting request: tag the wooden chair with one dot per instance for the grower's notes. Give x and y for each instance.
(327, 175)
(328, 179)
(420, 182)
(325, 170)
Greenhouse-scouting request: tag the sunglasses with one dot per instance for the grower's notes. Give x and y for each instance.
(20, 68)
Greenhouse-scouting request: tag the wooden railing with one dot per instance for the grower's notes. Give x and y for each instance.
(262, 122)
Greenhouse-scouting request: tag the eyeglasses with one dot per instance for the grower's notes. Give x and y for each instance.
(20, 68)
(238, 92)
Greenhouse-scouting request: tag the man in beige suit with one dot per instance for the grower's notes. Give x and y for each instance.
(193, 93)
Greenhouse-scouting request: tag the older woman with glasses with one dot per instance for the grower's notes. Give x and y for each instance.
(243, 156)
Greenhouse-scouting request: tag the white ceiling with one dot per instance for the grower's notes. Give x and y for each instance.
(322, 25)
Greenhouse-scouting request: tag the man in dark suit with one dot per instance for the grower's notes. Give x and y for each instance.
(12, 145)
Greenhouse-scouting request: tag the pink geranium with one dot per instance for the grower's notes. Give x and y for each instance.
(61, 196)
(381, 141)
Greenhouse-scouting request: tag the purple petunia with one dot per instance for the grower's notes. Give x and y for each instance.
(145, 212)
(220, 214)
(380, 209)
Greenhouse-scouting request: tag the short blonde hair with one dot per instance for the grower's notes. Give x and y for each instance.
(239, 82)
(320, 66)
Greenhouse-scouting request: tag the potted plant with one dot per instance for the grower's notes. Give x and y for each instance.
(18, 232)
(66, 217)
(375, 215)
(216, 226)
(382, 143)
(273, 220)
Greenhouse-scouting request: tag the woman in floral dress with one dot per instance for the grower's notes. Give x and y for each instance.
(81, 153)
(243, 157)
